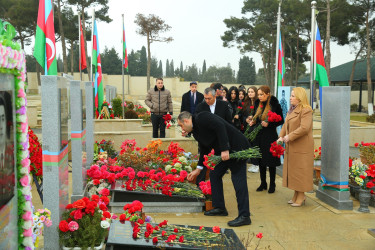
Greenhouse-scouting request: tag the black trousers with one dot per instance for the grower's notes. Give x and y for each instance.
(263, 174)
(157, 122)
(239, 180)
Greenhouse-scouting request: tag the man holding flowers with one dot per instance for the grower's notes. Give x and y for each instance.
(213, 132)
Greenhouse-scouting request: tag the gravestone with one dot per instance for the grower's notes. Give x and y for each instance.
(78, 141)
(283, 95)
(55, 117)
(121, 237)
(8, 189)
(333, 189)
(110, 93)
(90, 113)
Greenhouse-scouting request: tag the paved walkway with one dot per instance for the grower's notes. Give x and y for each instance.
(313, 226)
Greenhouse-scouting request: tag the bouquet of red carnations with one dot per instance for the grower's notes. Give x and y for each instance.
(271, 117)
(211, 160)
(168, 120)
(277, 149)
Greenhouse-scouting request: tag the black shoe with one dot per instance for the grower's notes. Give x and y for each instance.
(262, 187)
(216, 212)
(272, 188)
(240, 221)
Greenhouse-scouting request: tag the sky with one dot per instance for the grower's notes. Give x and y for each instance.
(196, 27)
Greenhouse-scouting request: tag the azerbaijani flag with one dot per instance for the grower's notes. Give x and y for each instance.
(320, 67)
(82, 63)
(124, 51)
(280, 65)
(45, 45)
(96, 62)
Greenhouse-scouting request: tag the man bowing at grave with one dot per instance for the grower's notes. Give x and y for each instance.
(212, 132)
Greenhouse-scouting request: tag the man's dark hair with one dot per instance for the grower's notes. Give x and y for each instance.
(159, 78)
(217, 86)
(184, 115)
(193, 82)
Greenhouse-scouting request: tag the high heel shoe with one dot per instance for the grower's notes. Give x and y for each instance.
(298, 204)
(290, 201)
(262, 187)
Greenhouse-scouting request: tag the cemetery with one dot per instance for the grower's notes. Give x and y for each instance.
(80, 169)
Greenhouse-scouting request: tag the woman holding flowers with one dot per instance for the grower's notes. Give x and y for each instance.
(248, 113)
(267, 134)
(236, 106)
(299, 147)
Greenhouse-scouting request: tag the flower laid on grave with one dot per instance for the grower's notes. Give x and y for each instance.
(35, 152)
(133, 212)
(41, 218)
(104, 149)
(211, 160)
(277, 150)
(85, 222)
(363, 175)
(318, 154)
(205, 186)
(367, 152)
(168, 120)
(107, 111)
(13, 62)
(178, 166)
(271, 117)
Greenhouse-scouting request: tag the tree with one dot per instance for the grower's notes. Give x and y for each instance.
(204, 67)
(134, 60)
(167, 68)
(143, 62)
(191, 73)
(160, 69)
(177, 72)
(255, 33)
(154, 67)
(30, 63)
(111, 62)
(181, 70)
(246, 72)
(171, 69)
(151, 27)
(70, 33)
(61, 29)
(101, 14)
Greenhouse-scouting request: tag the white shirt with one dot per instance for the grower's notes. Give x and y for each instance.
(212, 107)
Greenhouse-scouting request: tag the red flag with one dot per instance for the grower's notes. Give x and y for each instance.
(83, 63)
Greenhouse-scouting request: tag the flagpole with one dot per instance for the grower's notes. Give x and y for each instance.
(122, 68)
(277, 46)
(79, 42)
(92, 41)
(312, 53)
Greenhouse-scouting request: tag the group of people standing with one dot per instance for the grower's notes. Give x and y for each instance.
(218, 118)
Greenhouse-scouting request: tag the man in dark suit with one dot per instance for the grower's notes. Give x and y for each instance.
(212, 132)
(191, 99)
(215, 106)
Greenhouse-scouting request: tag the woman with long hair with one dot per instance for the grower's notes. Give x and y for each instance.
(233, 101)
(267, 135)
(225, 93)
(297, 135)
(248, 113)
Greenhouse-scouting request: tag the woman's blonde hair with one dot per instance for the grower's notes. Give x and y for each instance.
(301, 95)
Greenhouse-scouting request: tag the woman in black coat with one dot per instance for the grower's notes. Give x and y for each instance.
(233, 101)
(266, 135)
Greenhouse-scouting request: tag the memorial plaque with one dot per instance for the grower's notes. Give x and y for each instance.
(121, 237)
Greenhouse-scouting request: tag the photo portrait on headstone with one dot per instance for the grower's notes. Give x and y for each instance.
(7, 180)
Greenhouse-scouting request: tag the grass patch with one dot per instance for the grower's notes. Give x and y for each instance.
(358, 118)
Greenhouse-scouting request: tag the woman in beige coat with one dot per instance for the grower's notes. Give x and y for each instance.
(297, 135)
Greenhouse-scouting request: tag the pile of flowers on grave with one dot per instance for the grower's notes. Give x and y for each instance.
(164, 233)
(367, 152)
(41, 218)
(35, 152)
(107, 111)
(318, 154)
(205, 186)
(85, 223)
(148, 169)
(103, 150)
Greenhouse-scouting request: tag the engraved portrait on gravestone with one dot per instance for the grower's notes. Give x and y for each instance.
(7, 177)
(64, 116)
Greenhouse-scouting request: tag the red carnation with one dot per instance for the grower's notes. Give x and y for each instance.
(155, 240)
(259, 235)
(216, 229)
(63, 226)
(175, 230)
(181, 239)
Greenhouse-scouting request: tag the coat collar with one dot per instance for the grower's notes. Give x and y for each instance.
(156, 88)
(295, 113)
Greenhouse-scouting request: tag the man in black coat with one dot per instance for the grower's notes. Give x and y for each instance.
(214, 105)
(191, 99)
(212, 132)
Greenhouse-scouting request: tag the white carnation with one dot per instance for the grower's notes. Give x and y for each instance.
(167, 168)
(28, 242)
(104, 224)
